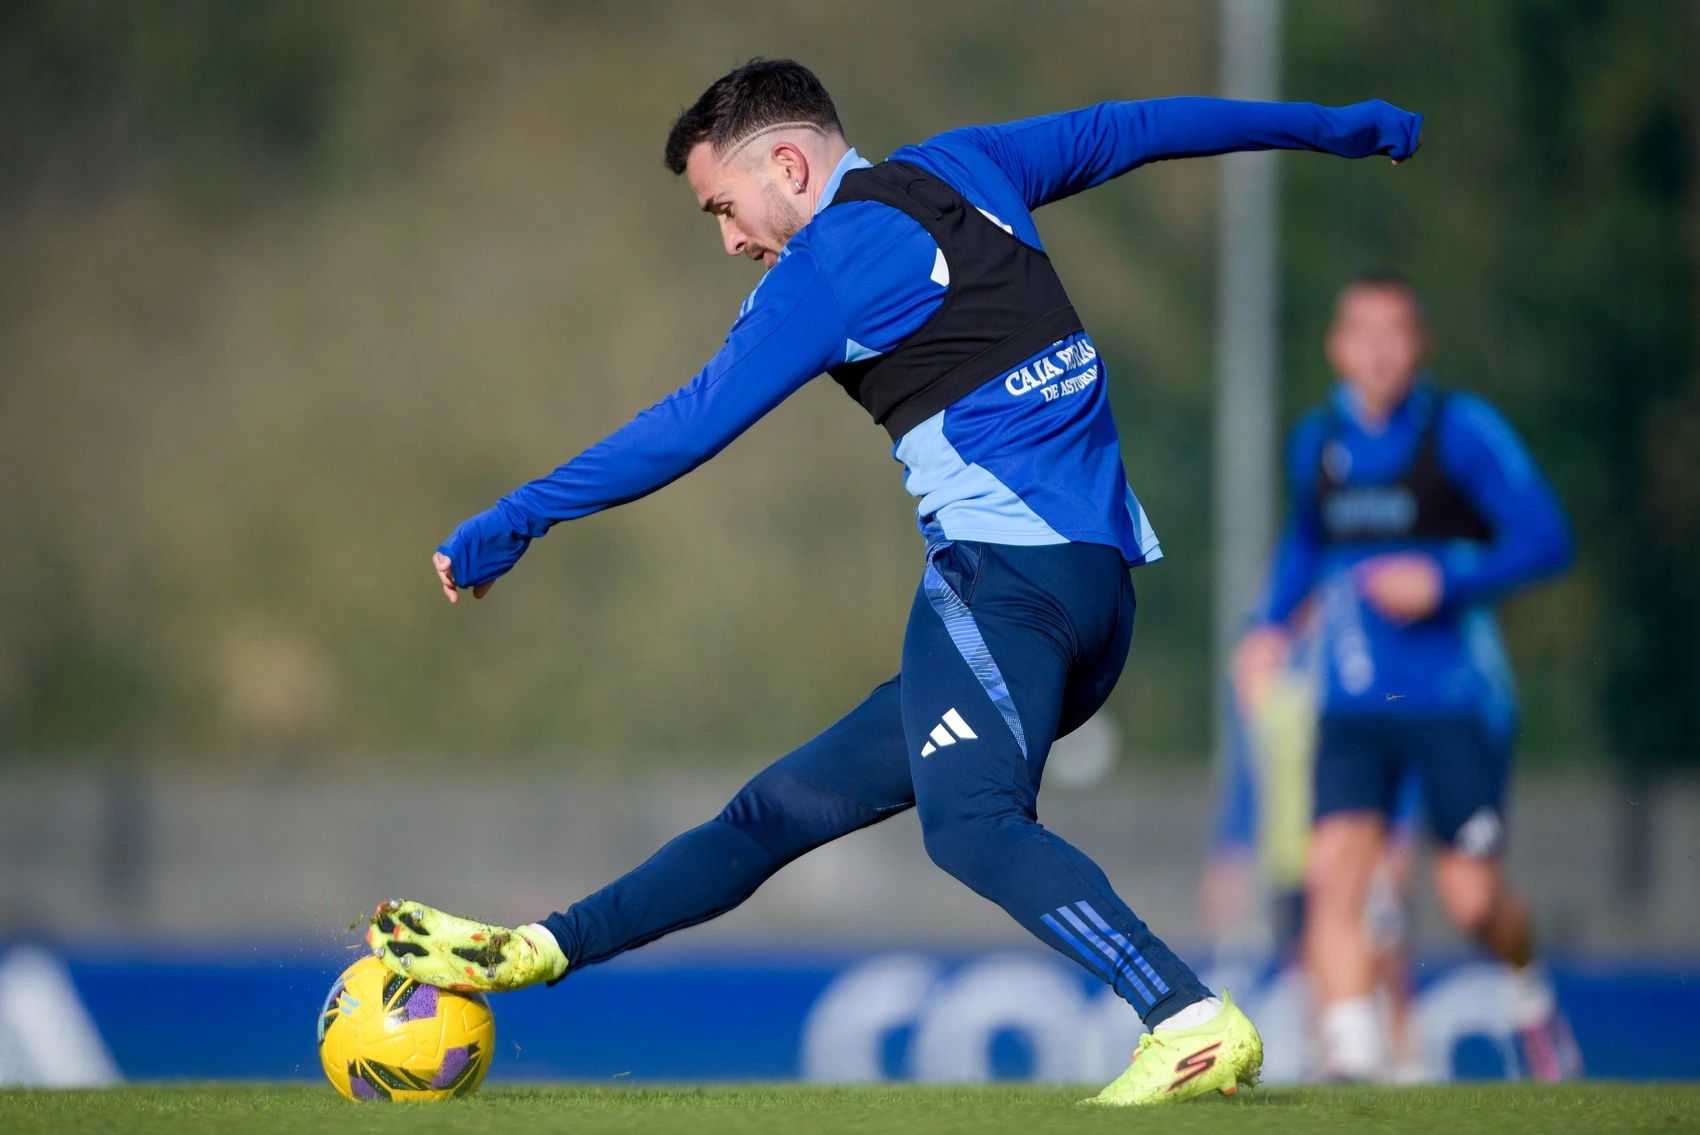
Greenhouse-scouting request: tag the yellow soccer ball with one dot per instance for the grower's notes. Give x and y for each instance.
(384, 1037)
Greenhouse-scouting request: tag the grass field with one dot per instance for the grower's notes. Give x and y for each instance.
(1450, 1110)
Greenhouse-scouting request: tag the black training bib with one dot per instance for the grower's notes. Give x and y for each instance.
(1419, 504)
(1003, 305)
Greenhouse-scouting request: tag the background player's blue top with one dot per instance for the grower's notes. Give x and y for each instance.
(1030, 458)
(1454, 660)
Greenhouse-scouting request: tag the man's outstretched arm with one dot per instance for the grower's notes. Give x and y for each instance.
(1532, 539)
(1058, 155)
(789, 332)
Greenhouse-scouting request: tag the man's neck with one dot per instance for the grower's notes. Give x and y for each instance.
(831, 153)
(1371, 412)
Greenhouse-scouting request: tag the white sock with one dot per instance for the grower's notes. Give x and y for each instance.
(1354, 1041)
(1198, 1013)
(1532, 1000)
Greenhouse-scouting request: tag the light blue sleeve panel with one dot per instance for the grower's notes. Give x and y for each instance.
(1293, 574)
(790, 330)
(1486, 460)
(1057, 155)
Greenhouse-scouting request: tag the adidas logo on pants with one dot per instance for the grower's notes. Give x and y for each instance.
(948, 732)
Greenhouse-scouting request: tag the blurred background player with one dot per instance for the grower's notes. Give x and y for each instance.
(1412, 510)
(1252, 892)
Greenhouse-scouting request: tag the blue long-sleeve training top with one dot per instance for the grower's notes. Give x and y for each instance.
(1032, 457)
(1454, 660)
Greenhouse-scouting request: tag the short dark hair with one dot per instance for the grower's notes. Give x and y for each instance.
(1382, 278)
(1385, 281)
(761, 93)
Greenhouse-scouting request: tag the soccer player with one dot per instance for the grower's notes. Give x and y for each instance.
(1413, 509)
(1263, 825)
(921, 286)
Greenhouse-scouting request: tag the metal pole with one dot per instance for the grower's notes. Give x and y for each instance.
(1245, 340)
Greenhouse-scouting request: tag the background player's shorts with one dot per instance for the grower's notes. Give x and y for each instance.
(1362, 762)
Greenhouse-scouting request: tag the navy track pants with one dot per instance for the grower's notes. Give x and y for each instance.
(1006, 649)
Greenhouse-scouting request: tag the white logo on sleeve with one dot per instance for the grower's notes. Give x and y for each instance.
(948, 731)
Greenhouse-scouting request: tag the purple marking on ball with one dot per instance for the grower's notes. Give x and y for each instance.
(421, 1003)
(454, 1063)
(361, 1089)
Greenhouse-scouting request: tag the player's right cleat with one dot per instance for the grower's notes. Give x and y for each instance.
(434, 948)
(1172, 1065)
(1549, 1049)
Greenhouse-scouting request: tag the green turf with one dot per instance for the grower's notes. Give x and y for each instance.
(1450, 1110)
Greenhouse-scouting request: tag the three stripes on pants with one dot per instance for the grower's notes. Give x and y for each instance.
(1106, 951)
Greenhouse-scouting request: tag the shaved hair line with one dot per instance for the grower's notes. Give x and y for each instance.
(734, 145)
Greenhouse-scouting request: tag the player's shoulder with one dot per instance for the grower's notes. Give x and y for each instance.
(1472, 429)
(963, 164)
(1466, 409)
(951, 154)
(990, 146)
(874, 257)
(1311, 429)
(856, 229)
(1467, 416)
(1304, 446)
(866, 248)
(853, 226)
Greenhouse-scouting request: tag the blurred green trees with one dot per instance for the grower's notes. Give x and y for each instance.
(291, 288)
(1552, 230)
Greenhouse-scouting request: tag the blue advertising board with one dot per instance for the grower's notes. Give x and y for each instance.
(679, 1015)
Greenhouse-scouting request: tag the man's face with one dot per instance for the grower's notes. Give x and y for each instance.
(1377, 343)
(748, 192)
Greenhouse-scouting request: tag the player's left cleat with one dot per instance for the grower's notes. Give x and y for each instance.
(439, 949)
(1173, 1065)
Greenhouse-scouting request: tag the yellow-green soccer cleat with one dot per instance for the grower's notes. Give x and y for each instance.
(439, 949)
(1172, 1065)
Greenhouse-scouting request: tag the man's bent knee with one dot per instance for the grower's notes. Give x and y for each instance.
(1469, 890)
(1471, 913)
(970, 848)
(950, 846)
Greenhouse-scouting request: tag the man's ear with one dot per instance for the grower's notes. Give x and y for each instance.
(793, 163)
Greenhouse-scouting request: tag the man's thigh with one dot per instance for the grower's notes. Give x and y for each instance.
(981, 694)
(861, 756)
(1093, 681)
